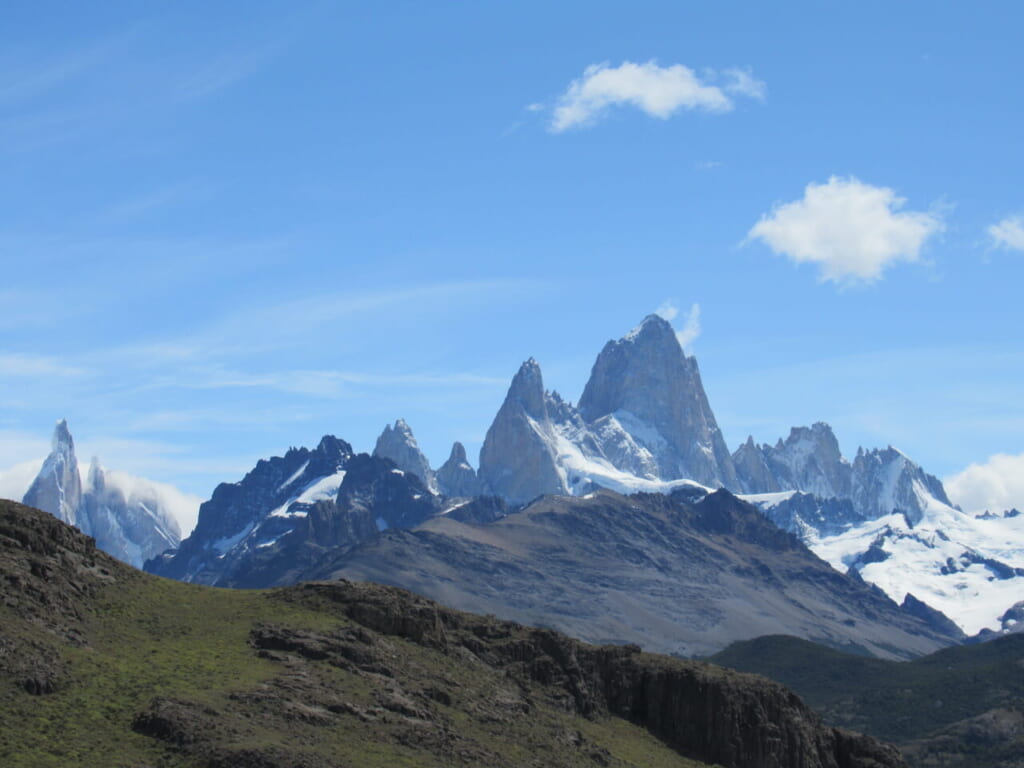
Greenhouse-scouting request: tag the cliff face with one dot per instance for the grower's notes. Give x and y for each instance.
(704, 712)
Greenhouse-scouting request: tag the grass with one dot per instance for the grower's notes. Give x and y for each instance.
(150, 638)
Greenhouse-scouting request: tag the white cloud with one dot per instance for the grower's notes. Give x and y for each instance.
(535, 107)
(668, 310)
(1009, 233)
(657, 91)
(852, 230)
(691, 327)
(14, 481)
(997, 485)
(743, 82)
(183, 507)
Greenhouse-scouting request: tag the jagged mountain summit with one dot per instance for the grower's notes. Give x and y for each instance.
(57, 488)
(645, 385)
(456, 477)
(130, 518)
(643, 424)
(399, 445)
(291, 510)
(891, 522)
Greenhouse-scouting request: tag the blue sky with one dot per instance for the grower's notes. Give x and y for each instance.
(230, 228)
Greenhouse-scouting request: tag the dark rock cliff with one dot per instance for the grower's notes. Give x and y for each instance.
(702, 711)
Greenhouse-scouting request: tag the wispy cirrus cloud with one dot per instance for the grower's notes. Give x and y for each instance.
(853, 231)
(656, 91)
(34, 365)
(691, 329)
(261, 328)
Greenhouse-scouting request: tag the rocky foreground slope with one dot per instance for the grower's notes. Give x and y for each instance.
(103, 665)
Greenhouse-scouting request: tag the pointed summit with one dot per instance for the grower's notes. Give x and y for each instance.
(646, 382)
(57, 488)
(456, 477)
(398, 444)
(518, 459)
(654, 329)
(528, 388)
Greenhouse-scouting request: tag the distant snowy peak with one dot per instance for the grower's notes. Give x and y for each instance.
(643, 423)
(877, 483)
(398, 444)
(456, 477)
(656, 394)
(129, 517)
(57, 488)
(269, 502)
(518, 459)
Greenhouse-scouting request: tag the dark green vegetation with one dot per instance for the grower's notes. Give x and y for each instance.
(961, 706)
(101, 665)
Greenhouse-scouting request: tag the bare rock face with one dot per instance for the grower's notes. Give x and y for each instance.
(752, 470)
(456, 477)
(518, 459)
(398, 444)
(57, 488)
(647, 381)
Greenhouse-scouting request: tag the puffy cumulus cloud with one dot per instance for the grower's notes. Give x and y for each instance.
(691, 326)
(657, 91)
(1008, 233)
(996, 486)
(850, 229)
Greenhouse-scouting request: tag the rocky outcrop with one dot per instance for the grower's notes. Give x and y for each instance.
(398, 444)
(456, 477)
(703, 712)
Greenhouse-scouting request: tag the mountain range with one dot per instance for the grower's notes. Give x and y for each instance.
(643, 424)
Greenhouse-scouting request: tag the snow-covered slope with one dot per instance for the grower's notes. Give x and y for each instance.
(969, 567)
